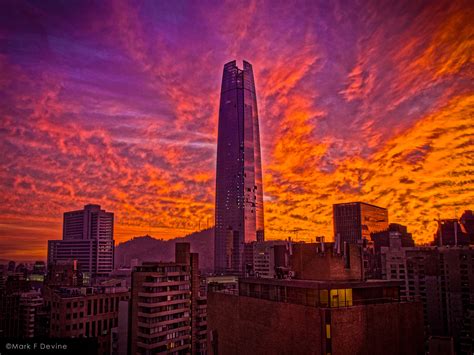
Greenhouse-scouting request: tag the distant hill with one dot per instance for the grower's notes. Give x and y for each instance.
(147, 248)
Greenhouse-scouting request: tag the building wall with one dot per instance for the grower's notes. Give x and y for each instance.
(92, 315)
(391, 328)
(245, 325)
(310, 262)
(252, 326)
(442, 278)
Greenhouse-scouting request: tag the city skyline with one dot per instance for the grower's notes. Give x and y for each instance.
(119, 108)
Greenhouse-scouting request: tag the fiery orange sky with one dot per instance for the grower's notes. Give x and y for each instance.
(116, 104)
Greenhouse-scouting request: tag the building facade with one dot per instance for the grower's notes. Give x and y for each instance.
(442, 279)
(239, 188)
(326, 309)
(85, 312)
(355, 221)
(166, 308)
(88, 237)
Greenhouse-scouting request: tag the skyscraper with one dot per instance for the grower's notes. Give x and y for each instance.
(88, 237)
(239, 189)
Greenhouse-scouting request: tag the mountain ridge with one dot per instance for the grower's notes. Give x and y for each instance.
(148, 248)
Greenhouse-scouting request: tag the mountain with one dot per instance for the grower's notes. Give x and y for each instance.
(147, 248)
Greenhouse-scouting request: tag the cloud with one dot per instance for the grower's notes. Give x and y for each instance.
(117, 104)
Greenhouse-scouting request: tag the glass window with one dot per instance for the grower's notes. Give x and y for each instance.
(323, 298)
(349, 297)
(334, 298)
(341, 293)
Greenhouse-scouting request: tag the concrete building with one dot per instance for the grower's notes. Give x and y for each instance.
(89, 312)
(355, 221)
(260, 258)
(31, 303)
(442, 278)
(332, 312)
(88, 237)
(395, 237)
(119, 334)
(166, 311)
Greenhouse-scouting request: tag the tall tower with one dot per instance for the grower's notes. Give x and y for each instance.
(88, 237)
(239, 188)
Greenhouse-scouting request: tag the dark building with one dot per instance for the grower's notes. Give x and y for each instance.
(334, 313)
(355, 221)
(90, 312)
(395, 230)
(451, 232)
(88, 237)
(63, 274)
(395, 236)
(467, 223)
(11, 315)
(167, 312)
(239, 188)
(442, 278)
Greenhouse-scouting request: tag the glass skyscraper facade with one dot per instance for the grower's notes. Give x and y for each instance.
(355, 221)
(239, 189)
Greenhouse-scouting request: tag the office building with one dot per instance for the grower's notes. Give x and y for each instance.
(88, 237)
(239, 188)
(335, 312)
(355, 221)
(166, 307)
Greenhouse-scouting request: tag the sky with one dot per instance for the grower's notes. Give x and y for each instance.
(116, 103)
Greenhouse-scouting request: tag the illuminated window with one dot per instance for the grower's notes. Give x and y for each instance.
(328, 331)
(342, 297)
(349, 297)
(334, 298)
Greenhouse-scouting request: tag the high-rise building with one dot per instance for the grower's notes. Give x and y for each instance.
(239, 188)
(355, 221)
(166, 308)
(442, 278)
(88, 237)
